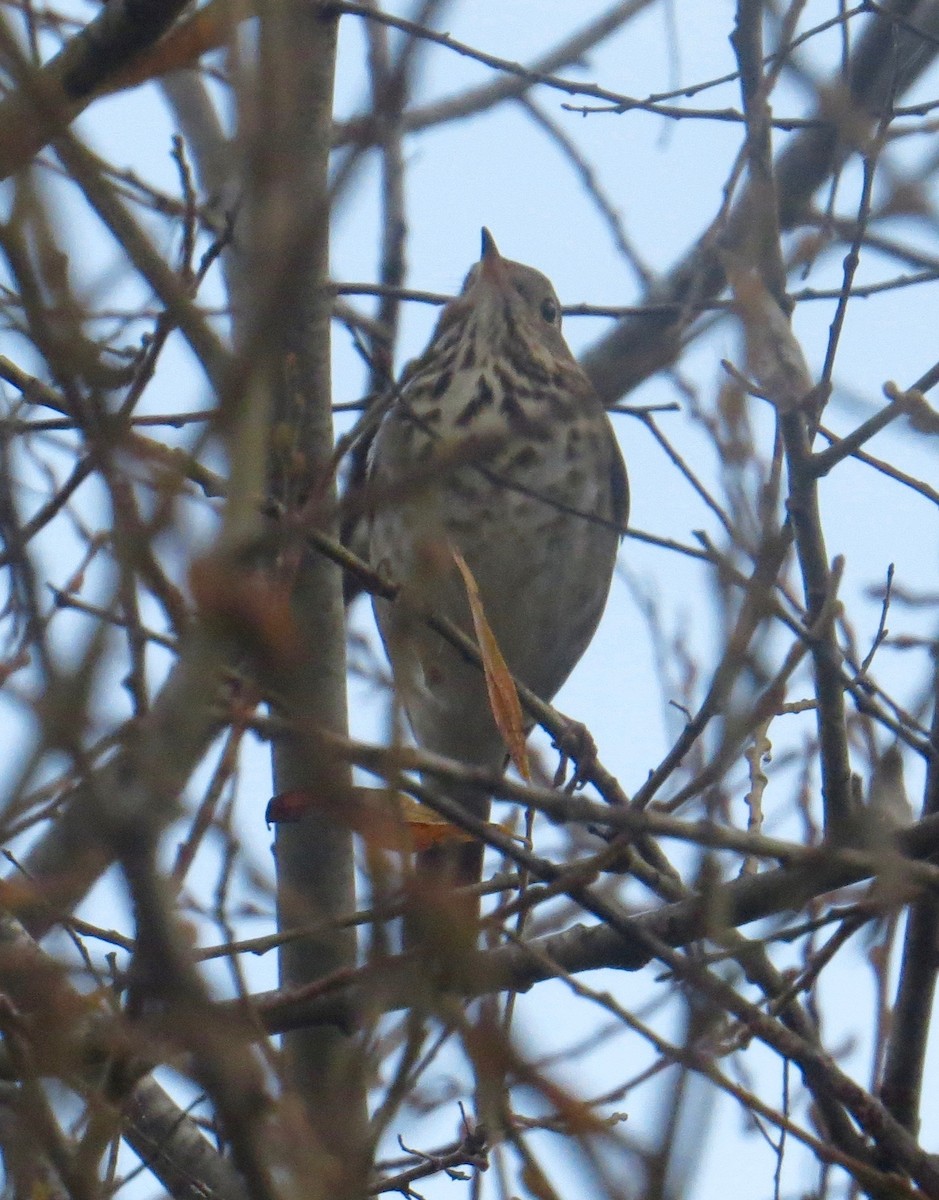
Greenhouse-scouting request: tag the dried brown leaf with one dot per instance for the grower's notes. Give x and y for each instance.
(209, 28)
(404, 826)
(503, 695)
(247, 606)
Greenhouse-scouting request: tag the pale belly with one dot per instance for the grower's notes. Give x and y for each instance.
(543, 575)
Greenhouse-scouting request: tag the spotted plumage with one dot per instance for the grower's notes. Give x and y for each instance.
(531, 490)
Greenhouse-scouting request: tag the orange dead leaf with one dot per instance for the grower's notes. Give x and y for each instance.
(503, 695)
(363, 810)
(403, 826)
(17, 894)
(209, 28)
(286, 808)
(248, 606)
(576, 1116)
(427, 828)
(536, 1181)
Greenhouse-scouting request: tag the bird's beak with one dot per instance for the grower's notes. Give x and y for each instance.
(491, 262)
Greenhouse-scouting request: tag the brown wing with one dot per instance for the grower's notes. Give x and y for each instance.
(579, 384)
(619, 484)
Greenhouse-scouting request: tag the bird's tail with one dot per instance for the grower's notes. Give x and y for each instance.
(443, 915)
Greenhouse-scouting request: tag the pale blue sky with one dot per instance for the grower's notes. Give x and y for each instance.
(666, 181)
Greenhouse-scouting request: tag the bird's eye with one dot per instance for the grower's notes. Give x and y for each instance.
(549, 310)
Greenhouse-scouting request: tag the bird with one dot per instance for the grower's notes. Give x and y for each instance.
(495, 446)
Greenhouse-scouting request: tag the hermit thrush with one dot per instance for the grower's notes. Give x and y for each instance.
(496, 446)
